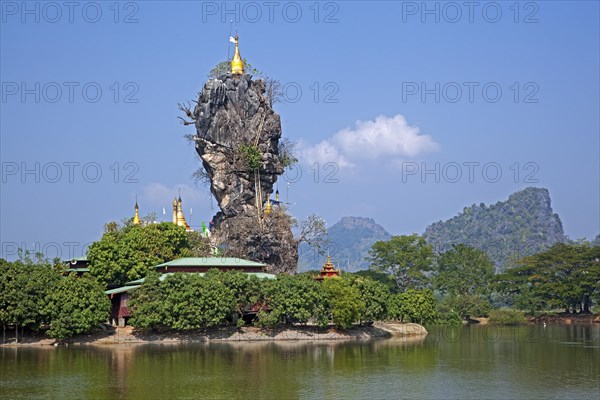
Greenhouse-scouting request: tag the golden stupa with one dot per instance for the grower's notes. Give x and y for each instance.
(136, 217)
(178, 217)
(237, 64)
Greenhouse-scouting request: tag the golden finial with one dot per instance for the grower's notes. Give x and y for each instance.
(277, 196)
(136, 217)
(179, 217)
(268, 207)
(237, 64)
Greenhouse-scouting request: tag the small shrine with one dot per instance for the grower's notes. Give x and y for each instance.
(328, 270)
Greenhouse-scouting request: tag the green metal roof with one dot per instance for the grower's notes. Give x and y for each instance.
(229, 262)
(121, 289)
(78, 270)
(259, 275)
(161, 278)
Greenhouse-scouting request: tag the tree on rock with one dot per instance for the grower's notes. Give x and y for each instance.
(238, 141)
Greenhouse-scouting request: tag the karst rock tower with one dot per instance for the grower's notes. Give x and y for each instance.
(237, 139)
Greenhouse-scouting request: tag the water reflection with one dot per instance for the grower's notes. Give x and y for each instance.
(469, 362)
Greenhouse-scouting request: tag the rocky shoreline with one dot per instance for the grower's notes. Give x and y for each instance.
(125, 335)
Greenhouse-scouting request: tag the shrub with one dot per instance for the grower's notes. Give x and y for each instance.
(413, 306)
(345, 304)
(507, 317)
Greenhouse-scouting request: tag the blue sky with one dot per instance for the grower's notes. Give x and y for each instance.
(378, 94)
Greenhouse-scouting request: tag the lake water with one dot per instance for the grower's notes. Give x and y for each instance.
(450, 363)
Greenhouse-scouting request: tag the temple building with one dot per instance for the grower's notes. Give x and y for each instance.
(178, 217)
(78, 265)
(328, 270)
(119, 297)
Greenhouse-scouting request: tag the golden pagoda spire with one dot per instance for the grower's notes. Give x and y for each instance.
(268, 209)
(136, 217)
(180, 217)
(237, 64)
(277, 196)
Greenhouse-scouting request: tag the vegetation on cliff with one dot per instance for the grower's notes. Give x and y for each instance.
(507, 231)
(238, 140)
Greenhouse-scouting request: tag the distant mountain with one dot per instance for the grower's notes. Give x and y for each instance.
(596, 241)
(350, 238)
(507, 230)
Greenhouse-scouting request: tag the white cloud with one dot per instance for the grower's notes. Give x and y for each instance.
(323, 152)
(390, 137)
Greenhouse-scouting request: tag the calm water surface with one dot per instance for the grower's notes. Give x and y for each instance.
(450, 363)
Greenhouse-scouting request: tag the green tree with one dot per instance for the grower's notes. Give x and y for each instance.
(467, 305)
(25, 287)
(463, 275)
(506, 317)
(383, 278)
(128, 253)
(374, 297)
(246, 289)
(194, 301)
(78, 305)
(463, 270)
(252, 156)
(565, 276)
(416, 306)
(147, 303)
(406, 258)
(293, 299)
(345, 305)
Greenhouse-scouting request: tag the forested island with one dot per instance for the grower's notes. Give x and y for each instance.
(458, 271)
(406, 282)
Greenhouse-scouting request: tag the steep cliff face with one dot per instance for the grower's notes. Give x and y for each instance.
(507, 231)
(233, 114)
(237, 139)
